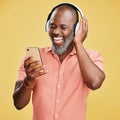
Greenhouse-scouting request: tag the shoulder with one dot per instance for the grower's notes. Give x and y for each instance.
(91, 51)
(93, 54)
(96, 57)
(45, 49)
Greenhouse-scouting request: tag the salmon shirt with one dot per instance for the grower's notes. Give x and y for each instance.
(61, 93)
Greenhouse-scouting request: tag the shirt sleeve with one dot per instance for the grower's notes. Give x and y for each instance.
(21, 72)
(97, 58)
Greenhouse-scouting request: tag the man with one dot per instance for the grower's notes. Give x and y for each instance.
(60, 87)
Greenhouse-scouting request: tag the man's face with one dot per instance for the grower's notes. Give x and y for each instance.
(61, 30)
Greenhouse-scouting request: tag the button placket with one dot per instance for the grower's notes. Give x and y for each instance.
(58, 93)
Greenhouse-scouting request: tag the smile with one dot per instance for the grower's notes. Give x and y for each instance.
(58, 40)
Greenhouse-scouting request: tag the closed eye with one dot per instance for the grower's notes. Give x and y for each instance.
(64, 27)
(52, 26)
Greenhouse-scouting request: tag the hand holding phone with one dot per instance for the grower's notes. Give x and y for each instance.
(34, 66)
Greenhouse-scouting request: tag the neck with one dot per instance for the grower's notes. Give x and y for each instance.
(63, 56)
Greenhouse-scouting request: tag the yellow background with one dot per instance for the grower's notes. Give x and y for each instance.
(22, 25)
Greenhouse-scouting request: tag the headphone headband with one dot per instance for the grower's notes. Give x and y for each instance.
(69, 4)
(76, 8)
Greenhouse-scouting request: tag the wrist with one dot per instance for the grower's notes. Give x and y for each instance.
(78, 43)
(28, 85)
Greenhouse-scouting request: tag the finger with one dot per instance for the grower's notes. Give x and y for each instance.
(81, 23)
(27, 58)
(36, 69)
(84, 23)
(31, 62)
(28, 61)
(42, 72)
(34, 66)
(37, 74)
(33, 75)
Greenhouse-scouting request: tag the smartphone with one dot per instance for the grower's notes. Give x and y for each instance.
(35, 53)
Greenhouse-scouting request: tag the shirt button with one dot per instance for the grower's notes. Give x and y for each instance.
(56, 115)
(57, 100)
(61, 72)
(59, 86)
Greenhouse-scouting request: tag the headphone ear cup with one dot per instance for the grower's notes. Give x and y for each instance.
(77, 27)
(47, 26)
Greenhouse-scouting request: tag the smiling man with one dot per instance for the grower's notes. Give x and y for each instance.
(61, 30)
(60, 87)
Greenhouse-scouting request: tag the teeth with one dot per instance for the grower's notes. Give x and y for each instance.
(58, 38)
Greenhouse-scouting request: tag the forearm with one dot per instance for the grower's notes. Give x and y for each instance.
(24, 88)
(21, 95)
(92, 75)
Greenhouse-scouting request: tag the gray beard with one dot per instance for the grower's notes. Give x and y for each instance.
(64, 47)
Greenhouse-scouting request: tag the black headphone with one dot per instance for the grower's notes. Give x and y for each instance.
(77, 9)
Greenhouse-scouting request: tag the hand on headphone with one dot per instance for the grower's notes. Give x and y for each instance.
(82, 31)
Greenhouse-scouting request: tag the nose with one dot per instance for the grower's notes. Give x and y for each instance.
(57, 31)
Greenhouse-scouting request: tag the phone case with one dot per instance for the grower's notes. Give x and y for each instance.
(35, 53)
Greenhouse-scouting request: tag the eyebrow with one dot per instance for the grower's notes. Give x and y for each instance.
(60, 24)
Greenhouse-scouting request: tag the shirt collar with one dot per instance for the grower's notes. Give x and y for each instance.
(48, 49)
(73, 52)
